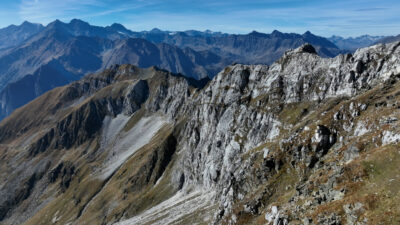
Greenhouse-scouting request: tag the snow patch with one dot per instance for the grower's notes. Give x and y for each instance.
(126, 144)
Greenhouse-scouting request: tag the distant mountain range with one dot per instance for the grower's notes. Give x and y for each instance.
(255, 47)
(14, 35)
(61, 53)
(389, 39)
(35, 59)
(354, 43)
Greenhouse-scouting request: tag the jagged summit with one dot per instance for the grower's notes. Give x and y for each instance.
(55, 23)
(15, 35)
(258, 34)
(306, 48)
(156, 31)
(27, 23)
(72, 22)
(78, 22)
(278, 34)
(118, 26)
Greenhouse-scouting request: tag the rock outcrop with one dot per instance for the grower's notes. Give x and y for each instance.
(303, 141)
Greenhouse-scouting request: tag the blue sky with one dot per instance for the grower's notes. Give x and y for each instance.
(322, 17)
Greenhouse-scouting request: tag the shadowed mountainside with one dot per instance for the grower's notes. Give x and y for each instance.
(13, 35)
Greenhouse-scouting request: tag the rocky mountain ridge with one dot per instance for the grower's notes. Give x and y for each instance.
(30, 70)
(307, 140)
(254, 48)
(14, 35)
(61, 52)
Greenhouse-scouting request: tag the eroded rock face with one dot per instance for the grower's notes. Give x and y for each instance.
(242, 108)
(82, 124)
(229, 103)
(324, 139)
(256, 139)
(63, 171)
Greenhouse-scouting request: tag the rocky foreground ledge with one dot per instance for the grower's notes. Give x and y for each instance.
(307, 140)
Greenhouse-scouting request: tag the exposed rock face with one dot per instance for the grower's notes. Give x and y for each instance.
(81, 125)
(233, 100)
(64, 171)
(302, 141)
(39, 58)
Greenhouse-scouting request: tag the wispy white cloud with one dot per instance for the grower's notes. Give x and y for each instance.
(371, 9)
(48, 10)
(119, 8)
(344, 18)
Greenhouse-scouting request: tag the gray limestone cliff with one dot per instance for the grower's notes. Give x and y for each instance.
(307, 140)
